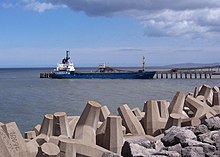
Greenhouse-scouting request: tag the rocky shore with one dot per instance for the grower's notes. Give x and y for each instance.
(188, 126)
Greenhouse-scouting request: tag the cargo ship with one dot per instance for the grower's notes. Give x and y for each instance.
(66, 70)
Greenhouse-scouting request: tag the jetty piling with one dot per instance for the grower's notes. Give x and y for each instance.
(45, 75)
(203, 72)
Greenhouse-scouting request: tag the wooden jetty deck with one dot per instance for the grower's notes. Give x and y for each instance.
(206, 72)
(45, 75)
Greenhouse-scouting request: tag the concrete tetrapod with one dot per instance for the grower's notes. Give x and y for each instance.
(48, 150)
(36, 129)
(176, 106)
(46, 130)
(47, 125)
(60, 124)
(163, 108)
(30, 135)
(16, 138)
(113, 137)
(130, 121)
(6, 146)
(206, 91)
(199, 108)
(75, 147)
(216, 102)
(104, 112)
(152, 121)
(72, 124)
(216, 89)
(174, 120)
(86, 126)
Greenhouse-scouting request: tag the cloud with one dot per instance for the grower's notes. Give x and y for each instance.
(39, 6)
(168, 18)
(6, 5)
(187, 19)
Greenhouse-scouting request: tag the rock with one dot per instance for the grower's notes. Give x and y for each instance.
(213, 123)
(193, 152)
(177, 148)
(138, 147)
(201, 129)
(206, 138)
(167, 153)
(207, 148)
(105, 154)
(175, 134)
(216, 139)
(216, 154)
(136, 150)
(142, 142)
(158, 145)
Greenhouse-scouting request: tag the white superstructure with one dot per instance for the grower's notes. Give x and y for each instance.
(66, 64)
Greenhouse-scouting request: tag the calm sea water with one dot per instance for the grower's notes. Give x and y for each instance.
(25, 98)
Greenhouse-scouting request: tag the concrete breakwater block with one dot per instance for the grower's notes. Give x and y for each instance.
(60, 124)
(152, 120)
(130, 121)
(163, 106)
(75, 147)
(16, 138)
(48, 150)
(176, 106)
(72, 124)
(30, 135)
(113, 137)
(47, 125)
(207, 93)
(86, 126)
(162, 129)
(198, 107)
(104, 113)
(6, 146)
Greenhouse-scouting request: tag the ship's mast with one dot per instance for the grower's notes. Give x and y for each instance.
(67, 55)
(143, 62)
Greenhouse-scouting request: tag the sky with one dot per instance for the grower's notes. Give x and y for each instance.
(36, 33)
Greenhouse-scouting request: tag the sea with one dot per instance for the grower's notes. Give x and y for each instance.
(25, 97)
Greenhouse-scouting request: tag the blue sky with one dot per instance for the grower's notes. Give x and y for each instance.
(36, 33)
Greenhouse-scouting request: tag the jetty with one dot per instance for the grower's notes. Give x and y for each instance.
(45, 75)
(206, 72)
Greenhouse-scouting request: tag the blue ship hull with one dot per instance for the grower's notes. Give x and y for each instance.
(93, 75)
